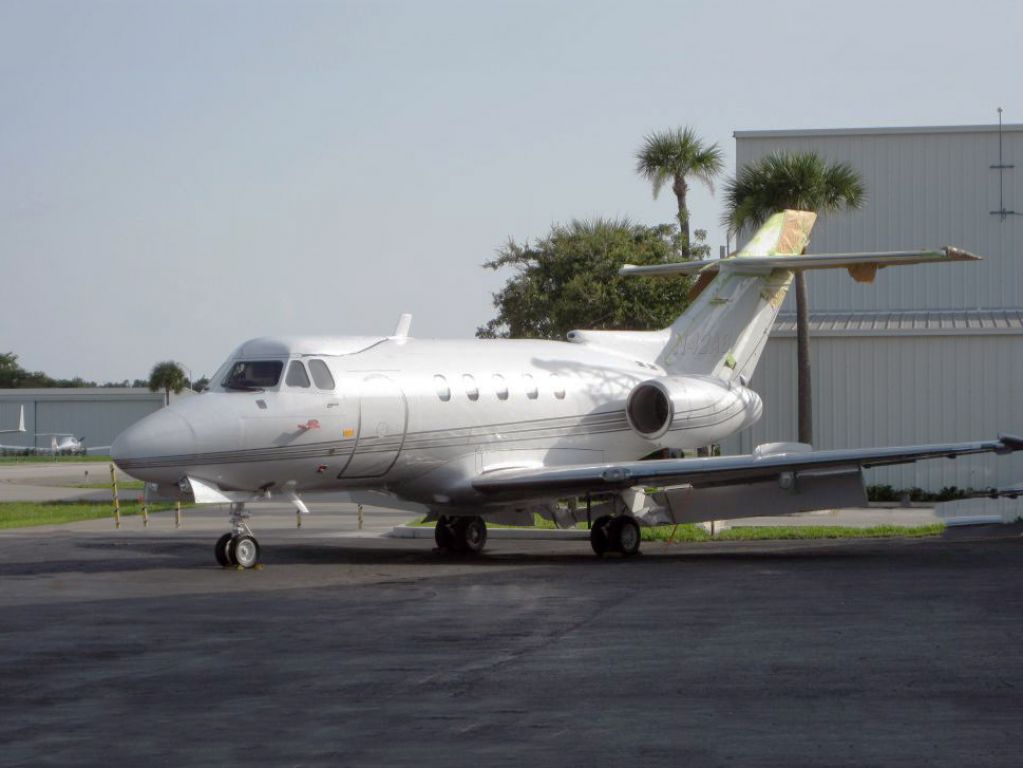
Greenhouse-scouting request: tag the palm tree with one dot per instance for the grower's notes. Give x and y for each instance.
(674, 155)
(168, 376)
(802, 181)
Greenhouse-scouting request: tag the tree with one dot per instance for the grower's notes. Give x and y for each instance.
(674, 155)
(201, 384)
(569, 279)
(13, 376)
(801, 181)
(168, 376)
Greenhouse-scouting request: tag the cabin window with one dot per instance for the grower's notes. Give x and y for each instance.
(500, 387)
(471, 391)
(321, 375)
(443, 390)
(557, 386)
(297, 377)
(253, 375)
(529, 384)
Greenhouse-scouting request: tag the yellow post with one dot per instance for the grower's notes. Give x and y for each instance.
(177, 514)
(145, 512)
(360, 517)
(117, 501)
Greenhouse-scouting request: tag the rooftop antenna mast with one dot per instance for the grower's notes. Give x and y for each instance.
(1002, 168)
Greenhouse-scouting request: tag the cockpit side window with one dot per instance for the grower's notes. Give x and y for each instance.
(297, 377)
(321, 375)
(253, 375)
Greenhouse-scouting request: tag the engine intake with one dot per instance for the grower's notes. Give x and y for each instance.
(690, 411)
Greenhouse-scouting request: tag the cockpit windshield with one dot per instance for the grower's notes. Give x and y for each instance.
(253, 375)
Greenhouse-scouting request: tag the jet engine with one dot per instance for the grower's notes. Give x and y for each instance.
(690, 411)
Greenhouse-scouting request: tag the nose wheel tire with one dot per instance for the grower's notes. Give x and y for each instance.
(240, 550)
(244, 551)
(221, 550)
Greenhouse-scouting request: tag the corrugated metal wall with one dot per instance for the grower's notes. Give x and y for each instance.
(98, 416)
(871, 391)
(929, 188)
(926, 187)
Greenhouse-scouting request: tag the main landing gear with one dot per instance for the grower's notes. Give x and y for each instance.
(239, 547)
(615, 534)
(460, 534)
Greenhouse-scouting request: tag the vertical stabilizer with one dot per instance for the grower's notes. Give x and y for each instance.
(725, 328)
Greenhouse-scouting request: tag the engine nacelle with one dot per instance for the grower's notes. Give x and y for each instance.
(690, 411)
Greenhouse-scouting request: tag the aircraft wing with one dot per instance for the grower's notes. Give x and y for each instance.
(23, 448)
(100, 449)
(714, 471)
(1009, 492)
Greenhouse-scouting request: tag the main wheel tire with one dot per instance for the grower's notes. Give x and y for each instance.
(624, 535)
(598, 535)
(458, 542)
(245, 551)
(473, 532)
(220, 550)
(443, 536)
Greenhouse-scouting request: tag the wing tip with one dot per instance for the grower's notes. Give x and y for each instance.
(1010, 443)
(952, 253)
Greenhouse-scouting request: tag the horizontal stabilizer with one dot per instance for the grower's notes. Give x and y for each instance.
(858, 264)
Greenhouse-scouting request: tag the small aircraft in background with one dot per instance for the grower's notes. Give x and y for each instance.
(67, 444)
(497, 430)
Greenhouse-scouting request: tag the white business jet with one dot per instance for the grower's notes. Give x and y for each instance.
(495, 430)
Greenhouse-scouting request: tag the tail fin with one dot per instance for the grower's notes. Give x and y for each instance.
(725, 328)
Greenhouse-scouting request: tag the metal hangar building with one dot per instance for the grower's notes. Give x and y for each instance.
(924, 354)
(98, 414)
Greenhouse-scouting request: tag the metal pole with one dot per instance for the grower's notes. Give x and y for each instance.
(177, 514)
(117, 501)
(360, 517)
(298, 518)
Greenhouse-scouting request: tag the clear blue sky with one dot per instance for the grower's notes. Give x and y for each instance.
(180, 176)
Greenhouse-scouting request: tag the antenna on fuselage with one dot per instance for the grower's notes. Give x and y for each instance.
(401, 330)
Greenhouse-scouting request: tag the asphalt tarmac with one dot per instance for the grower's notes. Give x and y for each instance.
(132, 648)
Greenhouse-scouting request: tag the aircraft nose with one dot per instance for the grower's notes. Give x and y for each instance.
(164, 433)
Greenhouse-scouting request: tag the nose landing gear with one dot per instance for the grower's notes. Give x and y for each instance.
(239, 547)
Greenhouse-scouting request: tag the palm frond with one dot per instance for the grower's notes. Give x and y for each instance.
(797, 180)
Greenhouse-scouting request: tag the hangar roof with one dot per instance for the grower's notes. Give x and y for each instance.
(909, 129)
(946, 322)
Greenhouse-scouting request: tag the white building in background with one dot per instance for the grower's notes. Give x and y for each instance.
(924, 354)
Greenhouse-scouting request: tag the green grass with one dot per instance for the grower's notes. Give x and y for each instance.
(39, 459)
(691, 532)
(19, 514)
(122, 485)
